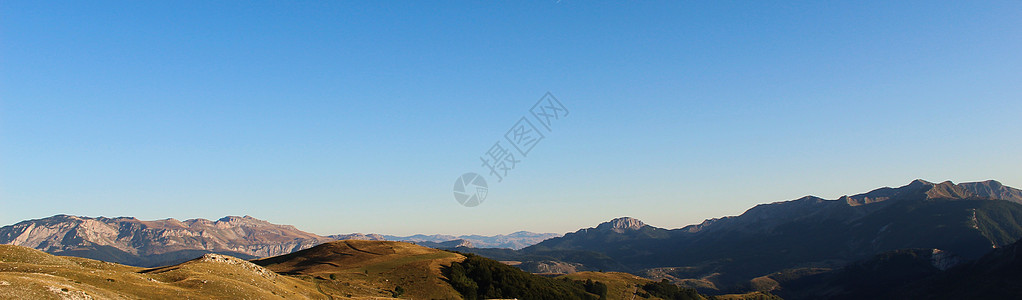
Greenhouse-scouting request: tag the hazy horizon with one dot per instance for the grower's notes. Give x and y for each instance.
(346, 117)
(568, 227)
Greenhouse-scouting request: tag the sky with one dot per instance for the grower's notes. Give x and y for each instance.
(359, 116)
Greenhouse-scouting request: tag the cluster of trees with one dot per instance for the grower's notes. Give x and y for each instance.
(667, 290)
(595, 288)
(478, 277)
(481, 278)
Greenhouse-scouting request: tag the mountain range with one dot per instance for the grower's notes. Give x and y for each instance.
(135, 242)
(965, 220)
(155, 243)
(517, 240)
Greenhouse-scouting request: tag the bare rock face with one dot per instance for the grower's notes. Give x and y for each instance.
(552, 267)
(993, 189)
(947, 190)
(621, 225)
(148, 243)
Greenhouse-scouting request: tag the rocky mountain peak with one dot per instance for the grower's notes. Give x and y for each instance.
(947, 189)
(919, 183)
(621, 225)
(984, 189)
(993, 189)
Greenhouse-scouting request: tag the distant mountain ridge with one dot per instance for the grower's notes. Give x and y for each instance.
(965, 220)
(446, 245)
(517, 240)
(153, 243)
(358, 237)
(812, 206)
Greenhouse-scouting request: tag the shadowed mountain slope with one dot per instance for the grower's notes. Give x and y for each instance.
(916, 274)
(997, 275)
(724, 254)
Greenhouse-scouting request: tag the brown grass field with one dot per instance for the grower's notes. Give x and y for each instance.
(343, 269)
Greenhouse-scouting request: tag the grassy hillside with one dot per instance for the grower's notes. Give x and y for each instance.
(628, 286)
(370, 268)
(619, 285)
(31, 274)
(344, 269)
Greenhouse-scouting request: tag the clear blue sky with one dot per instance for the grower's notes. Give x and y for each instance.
(345, 117)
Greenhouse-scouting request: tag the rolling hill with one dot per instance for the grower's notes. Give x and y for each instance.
(358, 269)
(32, 274)
(373, 268)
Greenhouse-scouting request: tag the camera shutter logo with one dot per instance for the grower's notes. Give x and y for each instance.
(470, 189)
